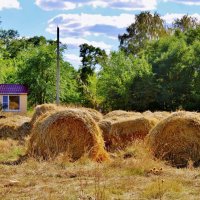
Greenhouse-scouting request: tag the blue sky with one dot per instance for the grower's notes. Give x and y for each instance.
(96, 22)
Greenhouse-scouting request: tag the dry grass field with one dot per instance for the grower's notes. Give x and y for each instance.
(130, 173)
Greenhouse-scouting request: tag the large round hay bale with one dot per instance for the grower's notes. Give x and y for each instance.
(119, 134)
(42, 109)
(72, 132)
(15, 127)
(177, 139)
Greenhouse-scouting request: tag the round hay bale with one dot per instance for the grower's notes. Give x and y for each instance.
(42, 109)
(16, 127)
(96, 115)
(72, 132)
(176, 139)
(119, 134)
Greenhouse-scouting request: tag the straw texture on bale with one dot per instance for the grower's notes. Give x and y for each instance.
(119, 134)
(177, 139)
(42, 109)
(16, 127)
(72, 132)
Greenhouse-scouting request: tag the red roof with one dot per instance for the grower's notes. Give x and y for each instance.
(13, 89)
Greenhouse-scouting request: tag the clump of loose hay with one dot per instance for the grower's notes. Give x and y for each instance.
(147, 113)
(71, 132)
(96, 115)
(160, 115)
(42, 109)
(121, 133)
(15, 127)
(118, 114)
(177, 139)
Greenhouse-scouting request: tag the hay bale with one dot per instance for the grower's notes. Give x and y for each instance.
(119, 134)
(72, 132)
(177, 139)
(42, 109)
(15, 127)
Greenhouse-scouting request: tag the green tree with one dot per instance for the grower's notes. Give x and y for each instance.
(7, 35)
(146, 27)
(92, 97)
(69, 87)
(37, 40)
(7, 71)
(192, 35)
(171, 61)
(185, 23)
(116, 81)
(90, 57)
(37, 70)
(193, 102)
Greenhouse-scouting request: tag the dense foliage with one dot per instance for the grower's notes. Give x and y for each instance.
(157, 67)
(32, 62)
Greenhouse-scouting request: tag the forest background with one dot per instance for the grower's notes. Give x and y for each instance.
(157, 67)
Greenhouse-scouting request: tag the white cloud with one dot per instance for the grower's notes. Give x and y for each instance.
(73, 58)
(133, 4)
(7, 4)
(77, 29)
(169, 18)
(186, 2)
(83, 25)
(55, 5)
(115, 4)
(75, 42)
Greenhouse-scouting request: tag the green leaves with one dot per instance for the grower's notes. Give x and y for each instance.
(146, 27)
(37, 70)
(116, 79)
(90, 58)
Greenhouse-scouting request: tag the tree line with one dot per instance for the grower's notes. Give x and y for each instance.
(156, 67)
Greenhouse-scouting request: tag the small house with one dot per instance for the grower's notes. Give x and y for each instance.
(13, 97)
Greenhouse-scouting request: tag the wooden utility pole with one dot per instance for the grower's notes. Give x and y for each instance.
(58, 69)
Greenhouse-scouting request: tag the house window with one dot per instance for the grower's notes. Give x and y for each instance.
(11, 103)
